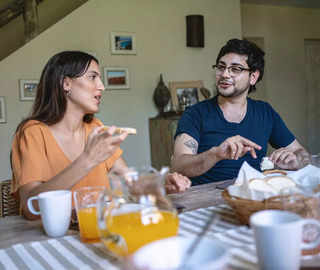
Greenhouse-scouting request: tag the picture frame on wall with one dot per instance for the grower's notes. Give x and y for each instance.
(28, 89)
(185, 94)
(123, 43)
(3, 117)
(116, 78)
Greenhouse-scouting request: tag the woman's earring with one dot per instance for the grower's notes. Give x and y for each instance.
(68, 92)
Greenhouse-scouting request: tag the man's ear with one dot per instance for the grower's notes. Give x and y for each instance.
(67, 82)
(254, 76)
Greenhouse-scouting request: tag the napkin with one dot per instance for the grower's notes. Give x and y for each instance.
(306, 177)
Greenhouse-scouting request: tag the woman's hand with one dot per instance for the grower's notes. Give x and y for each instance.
(176, 182)
(102, 144)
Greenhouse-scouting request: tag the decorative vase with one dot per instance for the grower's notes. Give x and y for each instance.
(161, 96)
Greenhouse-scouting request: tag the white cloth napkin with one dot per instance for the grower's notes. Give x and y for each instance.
(305, 177)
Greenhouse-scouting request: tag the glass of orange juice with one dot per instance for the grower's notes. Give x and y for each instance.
(85, 200)
(142, 213)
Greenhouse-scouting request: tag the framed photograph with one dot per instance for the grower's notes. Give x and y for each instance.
(28, 89)
(185, 94)
(116, 78)
(123, 43)
(3, 118)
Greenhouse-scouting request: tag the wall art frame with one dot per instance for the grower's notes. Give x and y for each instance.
(123, 43)
(3, 116)
(116, 78)
(28, 89)
(185, 93)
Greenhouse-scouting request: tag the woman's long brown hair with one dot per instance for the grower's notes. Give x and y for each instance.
(50, 102)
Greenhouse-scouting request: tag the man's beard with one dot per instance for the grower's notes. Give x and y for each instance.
(235, 93)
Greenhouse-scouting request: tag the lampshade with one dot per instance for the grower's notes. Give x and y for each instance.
(195, 31)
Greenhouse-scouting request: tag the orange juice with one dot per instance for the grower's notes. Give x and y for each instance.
(138, 231)
(88, 226)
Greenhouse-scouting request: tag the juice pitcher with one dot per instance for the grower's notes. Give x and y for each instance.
(136, 211)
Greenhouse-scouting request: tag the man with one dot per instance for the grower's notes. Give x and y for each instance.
(214, 137)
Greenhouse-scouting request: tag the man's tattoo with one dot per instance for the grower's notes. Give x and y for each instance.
(193, 145)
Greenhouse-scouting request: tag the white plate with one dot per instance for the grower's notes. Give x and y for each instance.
(168, 253)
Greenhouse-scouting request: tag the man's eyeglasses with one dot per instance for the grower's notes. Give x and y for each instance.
(233, 70)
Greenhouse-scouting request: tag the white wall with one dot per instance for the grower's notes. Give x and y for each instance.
(161, 48)
(284, 30)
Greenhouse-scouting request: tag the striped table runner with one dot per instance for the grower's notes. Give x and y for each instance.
(227, 230)
(69, 253)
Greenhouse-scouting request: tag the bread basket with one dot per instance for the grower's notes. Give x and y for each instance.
(244, 208)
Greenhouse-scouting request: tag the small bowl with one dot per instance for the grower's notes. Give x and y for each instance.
(167, 254)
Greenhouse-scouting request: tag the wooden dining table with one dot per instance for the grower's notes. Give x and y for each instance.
(193, 205)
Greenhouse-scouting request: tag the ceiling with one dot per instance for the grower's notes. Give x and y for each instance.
(293, 3)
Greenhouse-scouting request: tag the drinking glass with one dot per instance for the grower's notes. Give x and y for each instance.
(139, 211)
(86, 199)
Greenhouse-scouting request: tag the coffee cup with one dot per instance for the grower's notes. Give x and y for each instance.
(55, 210)
(278, 238)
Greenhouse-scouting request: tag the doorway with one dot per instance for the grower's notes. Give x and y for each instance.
(312, 59)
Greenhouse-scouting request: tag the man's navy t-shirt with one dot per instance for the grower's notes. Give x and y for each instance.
(205, 122)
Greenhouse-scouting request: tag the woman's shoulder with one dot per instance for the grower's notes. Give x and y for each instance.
(33, 126)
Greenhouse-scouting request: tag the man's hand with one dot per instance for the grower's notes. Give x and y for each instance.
(176, 182)
(285, 159)
(236, 147)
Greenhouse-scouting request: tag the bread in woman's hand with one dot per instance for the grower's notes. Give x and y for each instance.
(120, 130)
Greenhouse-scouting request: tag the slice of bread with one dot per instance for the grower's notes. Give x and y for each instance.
(120, 130)
(261, 185)
(280, 182)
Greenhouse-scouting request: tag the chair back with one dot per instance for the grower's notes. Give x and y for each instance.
(9, 206)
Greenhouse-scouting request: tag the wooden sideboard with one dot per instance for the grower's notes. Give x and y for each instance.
(161, 132)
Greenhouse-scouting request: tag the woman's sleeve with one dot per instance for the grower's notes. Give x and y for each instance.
(29, 160)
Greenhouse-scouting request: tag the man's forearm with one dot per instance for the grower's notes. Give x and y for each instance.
(194, 165)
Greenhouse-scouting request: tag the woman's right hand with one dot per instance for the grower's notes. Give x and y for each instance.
(101, 144)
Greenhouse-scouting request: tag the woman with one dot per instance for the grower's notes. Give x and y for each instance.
(61, 145)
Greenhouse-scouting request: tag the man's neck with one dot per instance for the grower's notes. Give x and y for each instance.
(234, 109)
(235, 102)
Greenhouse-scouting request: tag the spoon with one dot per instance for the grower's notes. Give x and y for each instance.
(212, 220)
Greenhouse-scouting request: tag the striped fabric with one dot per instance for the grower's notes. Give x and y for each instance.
(227, 230)
(69, 253)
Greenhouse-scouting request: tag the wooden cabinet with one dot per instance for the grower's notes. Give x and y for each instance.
(162, 132)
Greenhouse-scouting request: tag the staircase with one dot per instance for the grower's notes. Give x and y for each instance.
(23, 20)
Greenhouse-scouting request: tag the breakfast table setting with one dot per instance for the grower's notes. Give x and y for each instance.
(25, 244)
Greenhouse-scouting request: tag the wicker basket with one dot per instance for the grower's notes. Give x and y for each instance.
(244, 208)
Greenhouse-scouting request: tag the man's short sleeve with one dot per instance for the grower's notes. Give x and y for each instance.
(190, 123)
(281, 136)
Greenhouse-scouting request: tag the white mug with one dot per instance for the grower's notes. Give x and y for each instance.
(278, 238)
(55, 210)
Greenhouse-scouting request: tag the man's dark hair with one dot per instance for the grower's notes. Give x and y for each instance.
(255, 55)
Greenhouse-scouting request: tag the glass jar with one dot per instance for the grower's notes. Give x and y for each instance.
(136, 211)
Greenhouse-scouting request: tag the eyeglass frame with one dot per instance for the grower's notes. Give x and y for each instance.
(215, 67)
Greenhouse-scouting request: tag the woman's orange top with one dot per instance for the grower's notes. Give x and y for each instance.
(41, 158)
